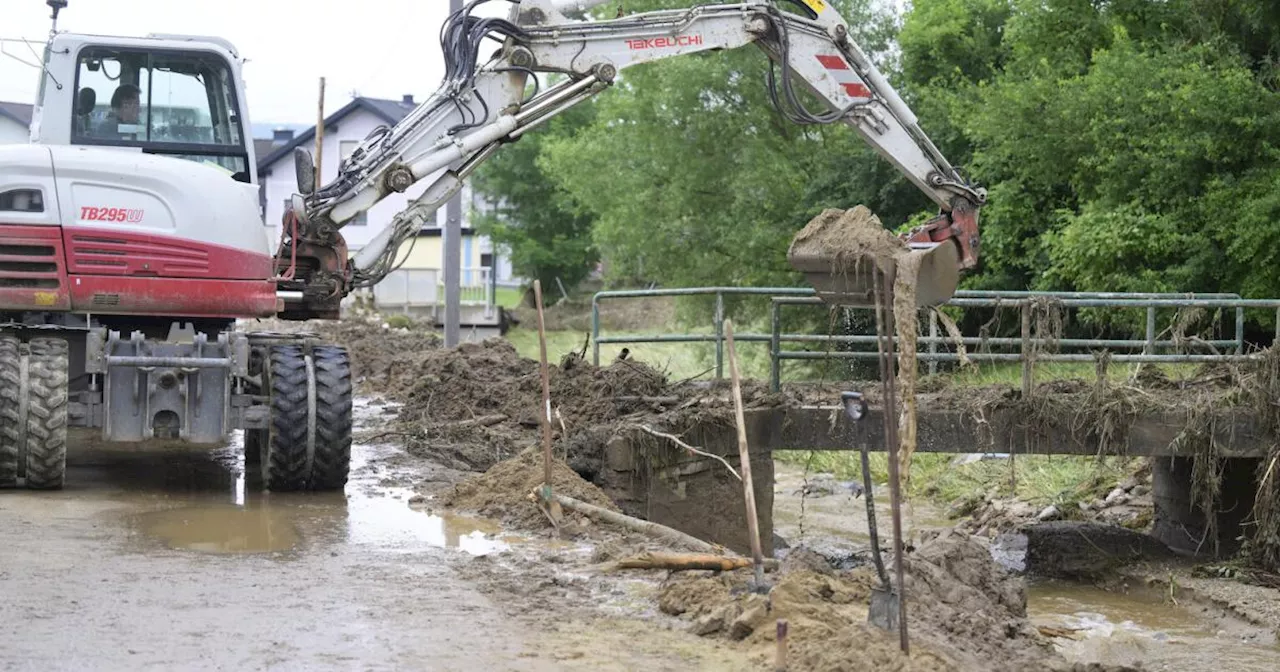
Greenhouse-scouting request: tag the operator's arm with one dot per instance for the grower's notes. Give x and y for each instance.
(479, 107)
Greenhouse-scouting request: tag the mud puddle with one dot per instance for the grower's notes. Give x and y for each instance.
(1145, 627)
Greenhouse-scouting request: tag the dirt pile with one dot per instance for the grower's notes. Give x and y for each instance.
(383, 357)
(475, 405)
(966, 613)
(502, 493)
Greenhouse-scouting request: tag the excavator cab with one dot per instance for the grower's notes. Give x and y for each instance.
(167, 95)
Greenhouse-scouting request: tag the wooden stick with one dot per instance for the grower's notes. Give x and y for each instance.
(320, 138)
(545, 414)
(682, 562)
(696, 451)
(744, 456)
(780, 657)
(635, 524)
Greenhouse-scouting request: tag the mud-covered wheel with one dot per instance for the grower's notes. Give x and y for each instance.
(46, 426)
(284, 456)
(331, 460)
(10, 410)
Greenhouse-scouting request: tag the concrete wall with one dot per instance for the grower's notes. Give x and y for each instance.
(653, 480)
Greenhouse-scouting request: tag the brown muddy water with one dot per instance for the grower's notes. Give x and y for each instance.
(1149, 627)
(164, 558)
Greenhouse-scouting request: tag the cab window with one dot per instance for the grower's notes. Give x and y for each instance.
(178, 104)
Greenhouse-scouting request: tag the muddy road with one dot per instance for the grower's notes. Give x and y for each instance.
(168, 559)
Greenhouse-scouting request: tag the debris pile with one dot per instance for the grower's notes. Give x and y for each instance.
(502, 492)
(965, 612)
(475, 405)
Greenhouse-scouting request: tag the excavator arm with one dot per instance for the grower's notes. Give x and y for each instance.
(481, 106)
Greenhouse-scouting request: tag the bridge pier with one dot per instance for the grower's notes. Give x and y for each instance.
(1182, 525)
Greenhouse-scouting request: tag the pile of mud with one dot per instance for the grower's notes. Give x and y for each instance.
(383, 357)
(965, 613)
(502, 492)
(478, 404)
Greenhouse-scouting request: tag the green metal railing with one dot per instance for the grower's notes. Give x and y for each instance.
(1030, 348)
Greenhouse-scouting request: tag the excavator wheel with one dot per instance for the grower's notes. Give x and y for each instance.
(332, 460)
(10, 410)
(46, 439)
(306, 446)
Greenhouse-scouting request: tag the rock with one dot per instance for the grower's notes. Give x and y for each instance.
(779, 543)
(1141, 489)
(417, 499)
(1129, 483)
(755, 612)
(1049, 513)
(1114, 496)
(715, 621)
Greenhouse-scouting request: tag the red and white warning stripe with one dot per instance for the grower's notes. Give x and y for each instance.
(845, 76)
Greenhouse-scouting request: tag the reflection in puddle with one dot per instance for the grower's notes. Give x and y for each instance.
(220, 529)
(1142, 627)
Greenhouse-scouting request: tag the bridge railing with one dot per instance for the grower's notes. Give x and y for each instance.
(1027, 348)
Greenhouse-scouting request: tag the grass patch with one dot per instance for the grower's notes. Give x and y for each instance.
(509, 297)
(1041, 479)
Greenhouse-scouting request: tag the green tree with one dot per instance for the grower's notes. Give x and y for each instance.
(534, 220)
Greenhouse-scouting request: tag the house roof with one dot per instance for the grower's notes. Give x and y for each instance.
(19, 112)
(390, 111)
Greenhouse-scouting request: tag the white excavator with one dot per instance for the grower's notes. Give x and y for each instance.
(131, 240)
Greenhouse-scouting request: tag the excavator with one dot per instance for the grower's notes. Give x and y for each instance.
(132, 245)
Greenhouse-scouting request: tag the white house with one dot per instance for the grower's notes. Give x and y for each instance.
(344, 130)
(15, 122)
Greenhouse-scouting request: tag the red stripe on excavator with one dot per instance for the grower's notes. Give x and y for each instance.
(32, 274)
(182, 297)
(857, 90)
(106, 251)
(833, 62)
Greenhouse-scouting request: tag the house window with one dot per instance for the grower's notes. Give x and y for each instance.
(486, 260)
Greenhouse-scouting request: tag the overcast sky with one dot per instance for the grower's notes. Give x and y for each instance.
(380, 48)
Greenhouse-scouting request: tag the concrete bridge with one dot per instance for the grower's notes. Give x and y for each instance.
(697, 495)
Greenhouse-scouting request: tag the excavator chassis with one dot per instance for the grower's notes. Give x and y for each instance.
(290, 393)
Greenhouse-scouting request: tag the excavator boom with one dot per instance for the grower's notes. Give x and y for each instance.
(481, 106)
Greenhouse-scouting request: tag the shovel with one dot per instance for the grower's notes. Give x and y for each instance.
(884, 602)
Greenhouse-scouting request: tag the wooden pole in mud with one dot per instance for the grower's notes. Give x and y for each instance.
(545, 413)
(884, 302)
(744, 455)
(320, 139)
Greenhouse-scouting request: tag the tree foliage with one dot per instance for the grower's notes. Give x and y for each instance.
(533, 219)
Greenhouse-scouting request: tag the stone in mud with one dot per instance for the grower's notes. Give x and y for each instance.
(1049, 513)
(803, 558)
(1115, 496)
(755, 611)
(1083, 550)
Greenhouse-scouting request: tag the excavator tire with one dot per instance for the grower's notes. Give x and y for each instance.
(46, 439)
(331, 461)
(10, 410)
(284, 457)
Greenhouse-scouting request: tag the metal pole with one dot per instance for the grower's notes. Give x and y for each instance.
(595, 330)
(453, 256)
(933, 342)
(719, 336)
(1026, 350)
(1151, 331)
(1239, 331)
(775, 344)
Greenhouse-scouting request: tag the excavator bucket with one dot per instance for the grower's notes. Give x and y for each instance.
(839, 250)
